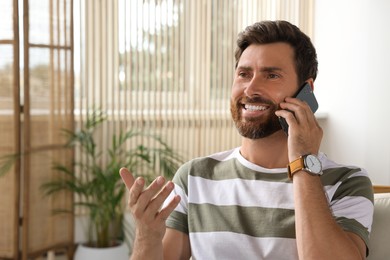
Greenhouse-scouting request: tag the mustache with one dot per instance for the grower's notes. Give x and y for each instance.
(256, 99)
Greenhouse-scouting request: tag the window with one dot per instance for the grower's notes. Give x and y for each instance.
(168, 65)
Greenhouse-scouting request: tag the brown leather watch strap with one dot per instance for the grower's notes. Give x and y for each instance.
(295, 166)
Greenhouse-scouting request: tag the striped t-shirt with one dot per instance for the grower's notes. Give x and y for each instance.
(234, 209)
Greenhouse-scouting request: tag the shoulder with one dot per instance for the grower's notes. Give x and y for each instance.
(339, 171)
(346, 180)
(204, 166)
(194, 166)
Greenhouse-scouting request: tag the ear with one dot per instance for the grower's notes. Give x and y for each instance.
(311, 82)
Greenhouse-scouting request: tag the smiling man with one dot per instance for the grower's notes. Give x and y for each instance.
(274, 197)
(262, 69)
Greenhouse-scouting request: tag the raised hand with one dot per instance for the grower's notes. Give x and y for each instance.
(146, 206)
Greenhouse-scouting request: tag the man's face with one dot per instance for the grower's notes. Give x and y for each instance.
(264, 77)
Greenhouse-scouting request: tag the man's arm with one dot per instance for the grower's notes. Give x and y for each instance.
(145, 205)
(176, 245)
(318, 235)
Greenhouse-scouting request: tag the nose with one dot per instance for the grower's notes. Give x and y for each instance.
(254, 87)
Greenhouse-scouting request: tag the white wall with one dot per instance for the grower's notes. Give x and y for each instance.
(352, 38)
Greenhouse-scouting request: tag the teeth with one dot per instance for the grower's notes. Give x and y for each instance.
(255, 108)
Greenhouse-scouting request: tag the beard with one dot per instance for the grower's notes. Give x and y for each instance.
(255, 127)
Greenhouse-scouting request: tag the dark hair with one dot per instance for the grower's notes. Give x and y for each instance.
(264, 32)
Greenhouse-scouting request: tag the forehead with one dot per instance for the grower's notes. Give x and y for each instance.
(268, 55)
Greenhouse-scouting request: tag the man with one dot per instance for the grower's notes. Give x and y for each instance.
(245, 203)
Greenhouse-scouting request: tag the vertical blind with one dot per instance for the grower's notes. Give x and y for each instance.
(167, 65)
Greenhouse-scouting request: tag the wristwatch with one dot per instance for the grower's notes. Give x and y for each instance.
(308, 163)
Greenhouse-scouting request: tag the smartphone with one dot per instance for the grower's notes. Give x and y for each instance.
(306, 94)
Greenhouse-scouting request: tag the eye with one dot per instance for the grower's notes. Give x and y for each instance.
(242, 74)
(272, 76)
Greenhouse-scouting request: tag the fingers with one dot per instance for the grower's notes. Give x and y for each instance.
(296, 112)
(145, 204)
(144, 198)
(135, 190)
(127, 177)
(165, 212)
(301, 110)
(305, 133)
(158, 200)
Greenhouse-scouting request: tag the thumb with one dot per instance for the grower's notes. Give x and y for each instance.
(127, 177)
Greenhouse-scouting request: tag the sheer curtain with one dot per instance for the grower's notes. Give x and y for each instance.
(167, 65)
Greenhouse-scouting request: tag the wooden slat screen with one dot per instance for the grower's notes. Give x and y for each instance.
(32, 113)
(167, 65)
(9, 127)
(48, 109)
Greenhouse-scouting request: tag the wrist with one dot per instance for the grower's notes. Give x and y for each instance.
(307, 163)
(148, 238)
(146, 247)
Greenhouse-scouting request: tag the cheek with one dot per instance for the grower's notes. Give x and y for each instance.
(279, 98)
(275, 96)
(236, 92)
(280, 95)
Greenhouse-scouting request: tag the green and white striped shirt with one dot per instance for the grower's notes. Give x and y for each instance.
(234, 209)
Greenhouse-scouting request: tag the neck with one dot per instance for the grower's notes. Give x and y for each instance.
(269, 152)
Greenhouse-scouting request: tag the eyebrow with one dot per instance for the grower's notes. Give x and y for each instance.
(270, 69)
(244, 68)
(263, 69)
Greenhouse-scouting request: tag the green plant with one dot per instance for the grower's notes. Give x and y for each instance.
(95, 178)
(6, 163)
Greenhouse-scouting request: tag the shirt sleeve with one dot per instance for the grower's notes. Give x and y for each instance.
(178, 219)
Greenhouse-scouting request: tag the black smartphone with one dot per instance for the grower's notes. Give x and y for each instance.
(306, 94)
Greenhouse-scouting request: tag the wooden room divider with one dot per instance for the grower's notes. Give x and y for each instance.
(36, 104)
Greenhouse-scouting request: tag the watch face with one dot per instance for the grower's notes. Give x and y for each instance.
(313, 164)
